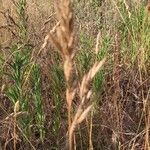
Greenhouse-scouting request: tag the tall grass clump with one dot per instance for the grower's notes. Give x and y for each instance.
(134, 31)
(18, 64)
(37, 102)
(57, 95)
(16, 92)
(130, 70)
(85, 54)
(103, 47)
(19, 51)
(21, 6)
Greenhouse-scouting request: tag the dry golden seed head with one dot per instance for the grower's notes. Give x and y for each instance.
(68, 98)
(16, 107)
(97, 67)
(70, 42)
(85, 84)
(8, 117)
(97, 43)
(55, 42)
(2, 88)
(84, 114)
(45, 42)
(82, 86)
(89, 94)
(68, 68)
(63, 28)
(63, 37)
